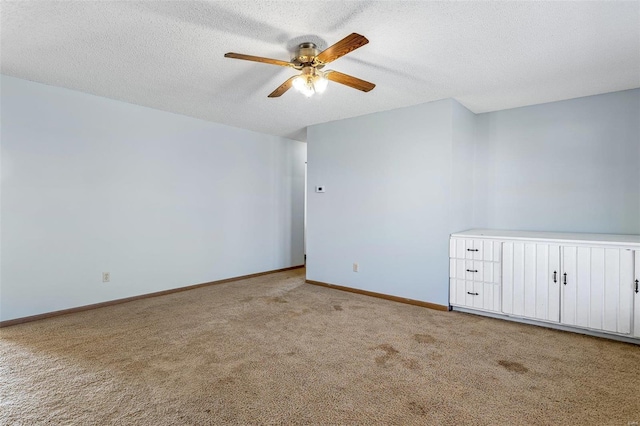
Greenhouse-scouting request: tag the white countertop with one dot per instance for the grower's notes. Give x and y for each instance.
(564, 236)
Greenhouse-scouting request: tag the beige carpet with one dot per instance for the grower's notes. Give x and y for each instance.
(274, 350)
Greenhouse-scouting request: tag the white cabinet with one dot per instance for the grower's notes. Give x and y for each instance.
(597, 288)
(636, 295)
(531, 280)
(580, 281)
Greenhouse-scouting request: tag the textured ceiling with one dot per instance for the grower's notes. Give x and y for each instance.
(169, 55)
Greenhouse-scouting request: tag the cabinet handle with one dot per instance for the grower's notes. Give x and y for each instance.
(472, 270)
(555, 276)
(472, 249)
(636, 286)
(565, 278)
(473, 294)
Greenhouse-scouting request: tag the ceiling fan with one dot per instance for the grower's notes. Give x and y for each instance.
(309, 60)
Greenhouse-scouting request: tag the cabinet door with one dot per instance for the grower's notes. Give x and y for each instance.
(530, 280)
(597, 290)
(636, 295)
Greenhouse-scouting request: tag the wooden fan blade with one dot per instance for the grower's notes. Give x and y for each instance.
(258, 59)
(341, 48)
(350, 81)
(282, 88)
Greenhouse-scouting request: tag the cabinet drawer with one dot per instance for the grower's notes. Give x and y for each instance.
(472, 270)
(474, 249)
(488, 295)
(491, 272)
(464, 248)
(473, 294)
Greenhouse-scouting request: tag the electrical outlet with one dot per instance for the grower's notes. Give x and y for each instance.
(355, 267)
(106, 277)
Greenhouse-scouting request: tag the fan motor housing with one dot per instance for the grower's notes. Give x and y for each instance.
(305, 54)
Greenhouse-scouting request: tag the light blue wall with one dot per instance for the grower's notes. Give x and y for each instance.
(158, 200)
(464, 131)
(162, 201)
(398, 182)
(570, 166)
(388, 179)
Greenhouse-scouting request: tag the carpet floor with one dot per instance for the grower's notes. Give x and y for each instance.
(275, 350)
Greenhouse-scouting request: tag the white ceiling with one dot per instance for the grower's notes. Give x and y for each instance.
(169, 55)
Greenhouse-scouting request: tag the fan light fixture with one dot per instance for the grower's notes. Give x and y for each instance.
(309, 60)
(311, 81)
